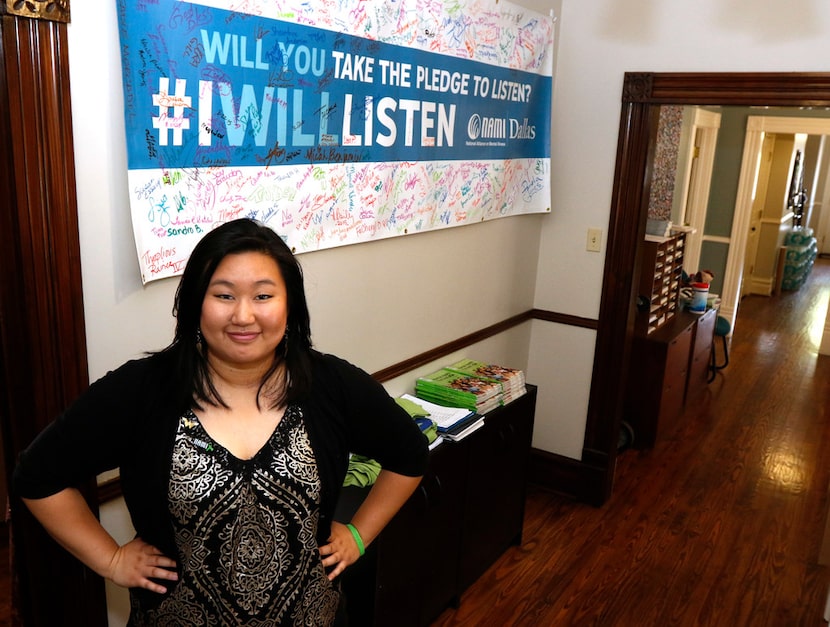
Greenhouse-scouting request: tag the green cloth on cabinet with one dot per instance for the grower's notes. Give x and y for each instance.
(362, 472)
(421, 416)
(412, 408)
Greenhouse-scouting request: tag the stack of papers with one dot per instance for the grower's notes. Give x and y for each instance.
(511, 379)
(454, 423)
(454, 389)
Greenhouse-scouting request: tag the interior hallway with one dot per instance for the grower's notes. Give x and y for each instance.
(720, 524)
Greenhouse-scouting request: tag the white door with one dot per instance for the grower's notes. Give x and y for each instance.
(758, 197)
(701, 162)
(756, 129)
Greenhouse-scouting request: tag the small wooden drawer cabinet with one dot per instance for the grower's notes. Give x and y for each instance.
(660, 279)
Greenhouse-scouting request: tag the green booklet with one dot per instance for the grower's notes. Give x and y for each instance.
(457, 389)
(512, 379)
(475, 368)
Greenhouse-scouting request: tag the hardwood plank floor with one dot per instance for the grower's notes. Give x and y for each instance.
(719, 525)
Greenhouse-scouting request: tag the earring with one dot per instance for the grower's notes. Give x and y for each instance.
(198, 339)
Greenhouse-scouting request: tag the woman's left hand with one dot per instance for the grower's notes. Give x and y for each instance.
(341, 550)
(385, 498)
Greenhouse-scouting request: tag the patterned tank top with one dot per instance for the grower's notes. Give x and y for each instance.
(246, 533)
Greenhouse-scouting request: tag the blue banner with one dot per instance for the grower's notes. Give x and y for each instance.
(212, 87)
(333, 123)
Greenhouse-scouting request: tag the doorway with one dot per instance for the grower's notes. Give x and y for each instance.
(743, 237)
(643, 93)
(745, 171)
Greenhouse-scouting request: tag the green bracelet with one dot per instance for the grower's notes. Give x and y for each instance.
(357, 538)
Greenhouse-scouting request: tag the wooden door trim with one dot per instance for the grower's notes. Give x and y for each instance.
(44, 361)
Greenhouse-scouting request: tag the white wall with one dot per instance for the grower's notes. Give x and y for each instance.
(370, 302)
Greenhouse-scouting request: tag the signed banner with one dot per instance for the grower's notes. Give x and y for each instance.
(356, 120)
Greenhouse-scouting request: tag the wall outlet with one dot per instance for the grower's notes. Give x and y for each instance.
(594, 243)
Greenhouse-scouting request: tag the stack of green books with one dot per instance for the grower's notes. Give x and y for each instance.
(511, 379)
(454, 389)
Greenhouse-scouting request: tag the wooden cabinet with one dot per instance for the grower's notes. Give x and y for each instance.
(468, 509)
(415, 572)
(670, 351)
(495, 496)
(657, 378)
(667, 367)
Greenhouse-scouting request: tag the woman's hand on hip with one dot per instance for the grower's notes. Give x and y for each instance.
(341, 550)
(134, 565)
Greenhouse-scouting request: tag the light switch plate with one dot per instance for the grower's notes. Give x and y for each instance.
(594, 243)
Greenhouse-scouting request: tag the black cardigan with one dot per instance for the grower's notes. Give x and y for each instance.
(126, 420)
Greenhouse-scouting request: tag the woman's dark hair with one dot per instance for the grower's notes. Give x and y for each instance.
(235, 237)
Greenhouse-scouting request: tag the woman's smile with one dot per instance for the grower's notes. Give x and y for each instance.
(243, 336)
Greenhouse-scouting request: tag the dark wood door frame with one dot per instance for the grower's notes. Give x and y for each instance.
(643, 94)
(43, 361)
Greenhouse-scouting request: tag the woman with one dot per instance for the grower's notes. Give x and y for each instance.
(232, 445)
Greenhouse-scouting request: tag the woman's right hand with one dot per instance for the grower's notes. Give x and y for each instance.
(68, 519)
(136, 563)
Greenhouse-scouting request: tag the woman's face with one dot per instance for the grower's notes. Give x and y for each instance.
(245, 311)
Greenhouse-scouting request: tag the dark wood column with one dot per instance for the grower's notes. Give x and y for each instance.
(43, 363)
(626, 228)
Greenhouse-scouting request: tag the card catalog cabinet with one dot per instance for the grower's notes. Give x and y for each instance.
(660, 279)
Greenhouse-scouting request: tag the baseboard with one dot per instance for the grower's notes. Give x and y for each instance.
(761, 286)
(569, 477)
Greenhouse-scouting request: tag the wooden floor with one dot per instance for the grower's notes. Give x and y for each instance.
(720, 524)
